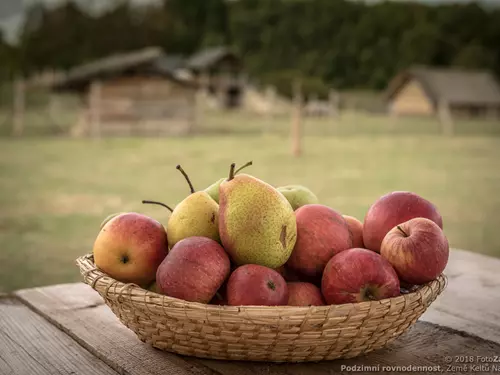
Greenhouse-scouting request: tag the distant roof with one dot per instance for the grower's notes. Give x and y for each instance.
(151, 59)
(209, 56)
(456, 86)
(148, 60)
(170, 63)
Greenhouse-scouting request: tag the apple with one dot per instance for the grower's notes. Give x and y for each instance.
(304, 294)
(287, 273)
(298, 195)
(213, 190)
(358, 275)
(393, 209)
(256, 285)
(321, 233)
(356, 230)
(108, 218)
(417, 249)
(130, 247)
(194, 270)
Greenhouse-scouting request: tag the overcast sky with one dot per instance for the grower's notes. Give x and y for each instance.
(11, 17)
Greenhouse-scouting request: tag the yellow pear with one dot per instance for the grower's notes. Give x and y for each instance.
(196, 215)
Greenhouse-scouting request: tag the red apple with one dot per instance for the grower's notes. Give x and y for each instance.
(252, 284)
(287, 273)
(358, 275)
(194, 270)
(321, 233)
(130, 247)
(356, 230)
(393, 209)
(304, 294)
(417, 249)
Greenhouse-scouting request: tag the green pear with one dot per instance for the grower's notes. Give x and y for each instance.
(257, 224)
(196, 215)
(298, 195)
(213, 190)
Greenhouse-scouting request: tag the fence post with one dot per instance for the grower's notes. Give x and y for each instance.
(198, 120)
(445, 117)
(297, 119)
(95, 109)
(268, 113)
(19, 106)
(334, 100)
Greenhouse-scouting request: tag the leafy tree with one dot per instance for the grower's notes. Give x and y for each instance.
(328, 43)
(8, 59)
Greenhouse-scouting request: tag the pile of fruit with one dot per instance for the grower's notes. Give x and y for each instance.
(242, 241)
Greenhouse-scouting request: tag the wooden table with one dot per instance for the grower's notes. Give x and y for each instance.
(66, 329)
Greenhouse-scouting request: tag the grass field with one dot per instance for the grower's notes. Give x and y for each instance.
(54, 192)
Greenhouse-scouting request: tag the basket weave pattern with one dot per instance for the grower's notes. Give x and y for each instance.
(276, 334)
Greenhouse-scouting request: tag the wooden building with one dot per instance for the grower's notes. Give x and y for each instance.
(219, 71)
(428, 91)
(135, 93)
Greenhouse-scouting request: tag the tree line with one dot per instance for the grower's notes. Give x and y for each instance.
(329, 43)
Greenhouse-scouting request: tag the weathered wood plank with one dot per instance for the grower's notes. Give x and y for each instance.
(31, 345)
(97, 328)
(471, 301)
(80, 312)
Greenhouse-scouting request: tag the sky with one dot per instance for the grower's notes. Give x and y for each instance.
(11, 11)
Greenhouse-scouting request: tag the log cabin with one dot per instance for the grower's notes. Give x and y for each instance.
(137, 93)
(218, 70)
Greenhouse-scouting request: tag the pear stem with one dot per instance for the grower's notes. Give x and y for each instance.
(401, 229)
(158, 203)
(231, 172)
(243, 166)
(187, 178)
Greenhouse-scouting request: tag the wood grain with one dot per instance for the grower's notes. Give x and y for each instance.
(31, 345)
(471, 301)
(96, 328)
(79, 311)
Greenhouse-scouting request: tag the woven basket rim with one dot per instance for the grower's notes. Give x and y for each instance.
(93, 275)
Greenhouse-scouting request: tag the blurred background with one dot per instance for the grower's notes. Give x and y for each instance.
(100, 100)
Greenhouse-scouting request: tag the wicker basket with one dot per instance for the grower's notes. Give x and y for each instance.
(276, 334)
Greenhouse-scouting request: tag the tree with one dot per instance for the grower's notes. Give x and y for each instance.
(8, 59)
(57, 38)
(474, 56)
(340, 43)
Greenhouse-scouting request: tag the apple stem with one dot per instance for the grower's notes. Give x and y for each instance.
(158, 203)
(369, 295)
(271, 285)
(243, 166)
(187, 178)
(231, 172)
(401, 229)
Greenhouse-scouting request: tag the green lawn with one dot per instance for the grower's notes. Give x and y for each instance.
(55, 192)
